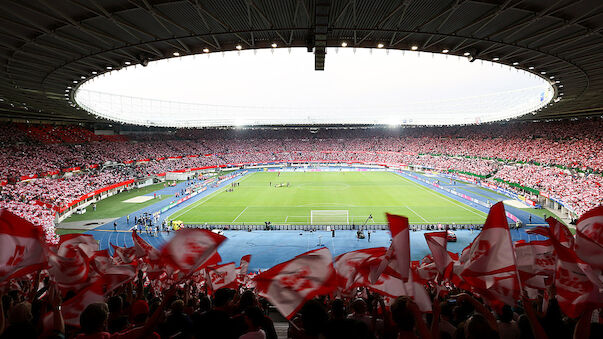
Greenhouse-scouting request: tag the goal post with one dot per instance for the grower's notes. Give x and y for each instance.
(329, 217)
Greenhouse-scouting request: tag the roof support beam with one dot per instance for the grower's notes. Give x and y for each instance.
(321, 23)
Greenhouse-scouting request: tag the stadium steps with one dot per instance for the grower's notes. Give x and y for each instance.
(281, 329)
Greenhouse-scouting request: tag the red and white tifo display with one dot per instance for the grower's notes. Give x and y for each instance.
(492, 268)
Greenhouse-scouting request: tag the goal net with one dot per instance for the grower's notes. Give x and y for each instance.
(329, 217)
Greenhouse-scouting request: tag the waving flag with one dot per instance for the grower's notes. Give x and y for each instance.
(575, 289)
(288, 285)
(22, 249)
(347, 265)
(190, 249)
(244, 264)
(437, 243)
(69, 261)
(398, 226)
(490, 266)
(221, 276)
(589, 237)
(536, 263)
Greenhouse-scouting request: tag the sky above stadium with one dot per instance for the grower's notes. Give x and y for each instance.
(280, 86)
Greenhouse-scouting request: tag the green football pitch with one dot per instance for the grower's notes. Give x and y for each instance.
(326, 198)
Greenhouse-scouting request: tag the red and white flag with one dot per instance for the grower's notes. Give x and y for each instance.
(123, 255)
(22, 248)
(347, 265)
(221, 276)
(398, 226)
(490, 266)
(190, 249)
(589, 237)
(536, 263)
(69, 262)
(73, 308)
(244, 265)
(290, 284)
(575, 289)
(143, 249)
(437, 243)
(102, 266)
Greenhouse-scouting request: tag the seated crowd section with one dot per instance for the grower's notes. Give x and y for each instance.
(562, 159)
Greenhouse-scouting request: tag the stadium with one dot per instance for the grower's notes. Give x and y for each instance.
(301, 169)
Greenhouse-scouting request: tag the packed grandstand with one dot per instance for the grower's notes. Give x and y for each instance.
(531, 158)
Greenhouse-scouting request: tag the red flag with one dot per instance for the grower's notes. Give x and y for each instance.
(191, 248)
(490, 266)
(575, 289)
(69, 261)
(114, 275)
(123, 255)
(72, 308)
(398, 226)
(437, 243)
(244, 264)
(290, 284)
(21, 247)
(536, 263)
(221, 276)
(143, 249)
(589, 237)
(347, 265)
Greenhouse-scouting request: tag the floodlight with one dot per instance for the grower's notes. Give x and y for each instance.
(495, 59)
(344, 44)
(274, 45)
(176, 54)
(206, 50)
(239, 47)
(380, 45)
(445, 51)
(414, 47)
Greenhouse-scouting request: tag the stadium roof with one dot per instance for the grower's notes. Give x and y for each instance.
(48, 47)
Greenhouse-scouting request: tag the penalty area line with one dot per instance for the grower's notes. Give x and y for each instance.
(243, 211)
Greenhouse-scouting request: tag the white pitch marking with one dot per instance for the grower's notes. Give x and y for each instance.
(243, 211)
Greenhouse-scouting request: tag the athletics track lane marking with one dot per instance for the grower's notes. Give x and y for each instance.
(441, 196)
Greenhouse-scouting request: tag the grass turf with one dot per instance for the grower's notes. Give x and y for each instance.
(257, 200)
(114, 207)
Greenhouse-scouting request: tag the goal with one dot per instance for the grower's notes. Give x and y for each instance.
(329, 217)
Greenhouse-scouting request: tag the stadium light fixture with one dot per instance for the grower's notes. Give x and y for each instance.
(274, 45)
(466, 54)
(445, 50)
(543, 72)
(414, 47)
(560, 86)
(82, 77)
(380, 45)
(176, 54)
(495, 59)
(531, 67)
(75, 81)
(344, 44)
(552, 77)
(127, 63)
(515, 63)
(109, 67)
(94, 72)
(239, 47)
(206, 50)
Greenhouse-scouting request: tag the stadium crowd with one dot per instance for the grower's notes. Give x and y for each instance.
(75, 290)
(498, 151)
